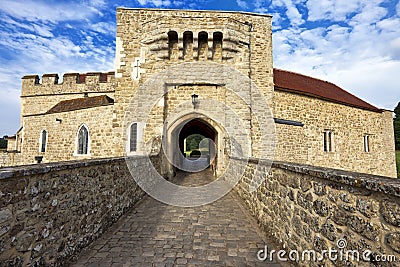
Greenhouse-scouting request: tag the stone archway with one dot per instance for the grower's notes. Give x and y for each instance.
(186, 125)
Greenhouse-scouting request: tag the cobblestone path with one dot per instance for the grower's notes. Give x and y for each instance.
(156, 234)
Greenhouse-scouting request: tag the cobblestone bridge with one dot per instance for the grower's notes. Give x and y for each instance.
(156, 234)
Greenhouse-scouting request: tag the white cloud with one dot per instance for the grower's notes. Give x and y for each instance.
(40, 44)
(335, 10)
(398, 8)
(41, 11)
(242, 4)
(361, 52)
(293, 13)
(104, 28)
(43, 30)
(369, 14)
(156, 3)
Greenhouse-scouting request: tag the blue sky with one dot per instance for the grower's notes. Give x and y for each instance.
(353, 43)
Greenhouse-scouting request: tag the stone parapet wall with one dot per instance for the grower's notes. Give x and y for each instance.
(10, 158)
(38, 98)
(49, 212)
(3, 159)
(32, 85)
(311, 208)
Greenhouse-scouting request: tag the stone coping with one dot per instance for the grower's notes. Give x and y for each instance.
(390, 186)
(41, 168)
(387, 185)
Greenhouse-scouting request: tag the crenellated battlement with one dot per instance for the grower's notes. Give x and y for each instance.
(48, 84)
(69, 78)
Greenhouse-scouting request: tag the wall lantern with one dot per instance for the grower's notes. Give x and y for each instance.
(195, 100)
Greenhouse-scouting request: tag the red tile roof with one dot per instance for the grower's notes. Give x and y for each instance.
(301, 84)
(81, 103)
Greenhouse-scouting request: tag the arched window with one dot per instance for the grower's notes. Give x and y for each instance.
(203, 46)
(43, 141)
(187, 45)
(83, 140)
(217, 46)
(173, 45)
(133, 137)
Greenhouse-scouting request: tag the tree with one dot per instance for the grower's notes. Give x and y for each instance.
(193, 141)
(3, 143)
(396, 124)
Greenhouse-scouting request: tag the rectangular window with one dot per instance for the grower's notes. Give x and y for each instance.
(328, 141)
(366, 143)
(133, 138)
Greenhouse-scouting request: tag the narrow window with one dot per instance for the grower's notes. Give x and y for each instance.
(188, 45)
(173, 45)
(133, 137)
(203, 46)
(217, 46)
(83, 140)
(43, 141)
(366, 143)
(328, 141)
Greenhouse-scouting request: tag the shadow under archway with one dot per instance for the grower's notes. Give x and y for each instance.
(206, 158)
(210, 158)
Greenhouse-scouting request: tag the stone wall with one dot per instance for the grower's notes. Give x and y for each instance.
(3, 158)
(142, 38)
(49, 212)
(311, 208)
(348, 124)
(38, 98)
(62, 135)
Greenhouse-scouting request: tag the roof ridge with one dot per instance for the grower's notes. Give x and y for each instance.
(304, 75)
(325, 92)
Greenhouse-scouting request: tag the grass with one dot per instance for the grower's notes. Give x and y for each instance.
(398, 162)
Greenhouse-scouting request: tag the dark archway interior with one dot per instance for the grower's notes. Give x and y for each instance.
(196, 126)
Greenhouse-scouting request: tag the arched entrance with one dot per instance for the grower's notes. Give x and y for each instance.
(211, 156)
(202, 156)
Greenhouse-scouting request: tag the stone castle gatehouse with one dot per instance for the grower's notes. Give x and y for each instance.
(181, 72)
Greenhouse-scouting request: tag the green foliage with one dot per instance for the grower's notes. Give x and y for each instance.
(193, 141)
(396, 125)
(3, 143)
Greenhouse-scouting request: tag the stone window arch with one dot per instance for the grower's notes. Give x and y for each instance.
(83, 140)
(134, 134)
(43, 141)
(217, 46)
(188, 45)
(203, 46)
(173, 51)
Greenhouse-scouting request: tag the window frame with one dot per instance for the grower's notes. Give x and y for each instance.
(130, 143)
(139, 139)
(367, 143)
(43, 147)
(76, 152)
(328, 144)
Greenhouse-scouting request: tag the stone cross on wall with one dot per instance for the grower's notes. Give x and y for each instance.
(136, 65)
(136, 69)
